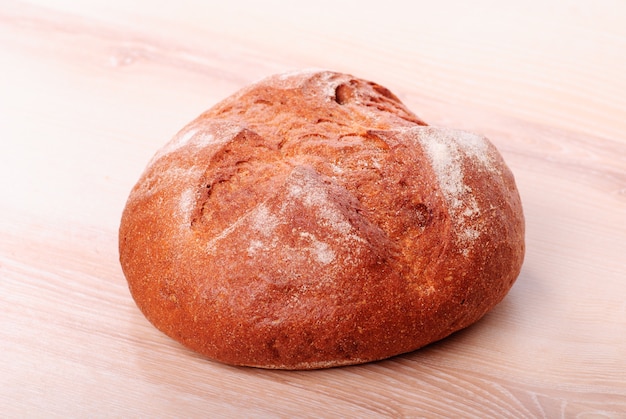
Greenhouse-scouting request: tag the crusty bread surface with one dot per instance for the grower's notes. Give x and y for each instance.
(311, 220)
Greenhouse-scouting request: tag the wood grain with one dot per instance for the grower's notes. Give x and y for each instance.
(89, 91)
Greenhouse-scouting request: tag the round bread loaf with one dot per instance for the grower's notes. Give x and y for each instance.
(311, 220)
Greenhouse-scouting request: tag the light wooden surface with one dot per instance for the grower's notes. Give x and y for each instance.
(90, 90)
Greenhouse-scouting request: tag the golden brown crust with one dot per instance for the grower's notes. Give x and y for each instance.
(311, 220)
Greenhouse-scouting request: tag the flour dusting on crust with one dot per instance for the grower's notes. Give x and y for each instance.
(449, 152)
(303, 187)
(197, 138)
(263, 221)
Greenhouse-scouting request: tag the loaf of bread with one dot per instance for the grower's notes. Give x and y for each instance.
(311, 220)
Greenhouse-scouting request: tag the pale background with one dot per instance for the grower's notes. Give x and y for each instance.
(89, 90)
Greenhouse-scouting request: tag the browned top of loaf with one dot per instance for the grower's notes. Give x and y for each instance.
(312, 220)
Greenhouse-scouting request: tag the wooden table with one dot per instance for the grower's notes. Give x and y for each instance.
(90, 90)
